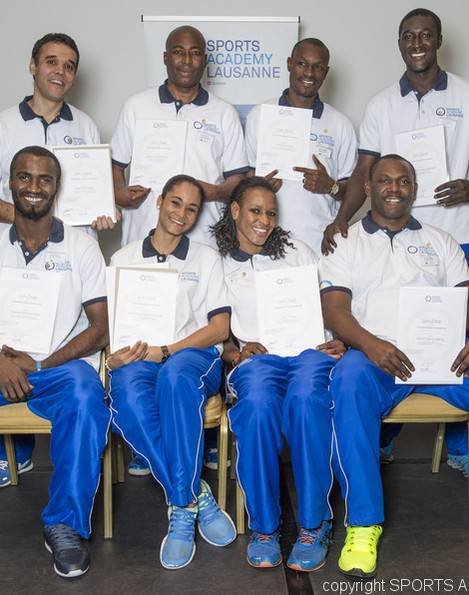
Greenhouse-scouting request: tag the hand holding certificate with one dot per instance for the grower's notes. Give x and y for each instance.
(289, 310)
(283, 141)
(426, 150)
(28, 303)
(87, 190)
(142, 305)
(432, 323)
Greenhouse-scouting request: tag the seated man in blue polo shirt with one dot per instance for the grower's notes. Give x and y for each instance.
(62, 385)
(360, 283)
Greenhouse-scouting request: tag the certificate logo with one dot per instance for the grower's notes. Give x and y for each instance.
(433, 299)
(440, 111)
(412, 249)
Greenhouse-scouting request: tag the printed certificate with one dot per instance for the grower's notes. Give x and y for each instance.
(432, 330)
(28, 303)
(87, 189)
(289, 310)
(283, 140)
(158, 152)
(426, 150)
(142, 305)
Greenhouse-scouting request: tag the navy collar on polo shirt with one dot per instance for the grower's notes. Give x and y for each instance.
(441, 84)
(28, 114)
(167, 97)
(370, 225)
(180, 251)
(56, 236)
(317, 107)
(241, 256)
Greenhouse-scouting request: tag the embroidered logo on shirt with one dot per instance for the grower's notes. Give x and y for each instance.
(75, 140)
(206, 126)
(449, 112)
(58, 266)
(190, 276)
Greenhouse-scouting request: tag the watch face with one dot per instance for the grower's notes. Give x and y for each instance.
(334, 189)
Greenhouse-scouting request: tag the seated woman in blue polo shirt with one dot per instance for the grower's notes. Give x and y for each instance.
(158, 392)
(275, 395)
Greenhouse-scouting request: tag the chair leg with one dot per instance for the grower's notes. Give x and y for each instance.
(438, 447)
(118, 452)
(239, 510)
(222, 458)
(107, 487)
(11, 458)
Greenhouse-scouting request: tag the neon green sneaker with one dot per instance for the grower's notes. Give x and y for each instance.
(359, 555)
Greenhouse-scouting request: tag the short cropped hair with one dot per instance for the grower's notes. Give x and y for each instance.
(375, 163)
(421, 12)
(38, 152)
(54, 38)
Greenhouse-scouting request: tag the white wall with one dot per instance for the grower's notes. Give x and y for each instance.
(361, 35)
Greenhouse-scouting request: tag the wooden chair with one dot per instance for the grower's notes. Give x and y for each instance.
(423, 408)
(16, 418)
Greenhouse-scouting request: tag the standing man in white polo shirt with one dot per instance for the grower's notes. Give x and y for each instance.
(360, 282)
(425, 96)
(43, 118)
(214, 153)
(307, 207)
(63, 385)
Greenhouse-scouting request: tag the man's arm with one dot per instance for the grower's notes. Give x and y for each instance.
(353, 199)
(221, 191)
(338, 318)
(89, 341)
(7, 212)
(128, 197)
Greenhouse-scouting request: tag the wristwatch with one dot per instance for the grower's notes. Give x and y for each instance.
(166, 354)
(335, 189)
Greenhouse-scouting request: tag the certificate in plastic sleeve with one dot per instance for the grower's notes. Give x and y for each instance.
(87, 189)
(144, 306)
(158, 153)
(283, 140)
(425, 148)
(432, 330)
(289, 310)
(28, 306)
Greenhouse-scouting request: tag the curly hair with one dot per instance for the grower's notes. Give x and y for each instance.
(224, 231)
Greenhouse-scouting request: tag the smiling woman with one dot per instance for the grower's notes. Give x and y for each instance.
(158, 392)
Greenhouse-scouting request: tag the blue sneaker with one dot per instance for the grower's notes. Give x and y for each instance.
(178, 547)
(211, 458)
(459, 462)
(215, 525)
(5, 479)
(71, 558)
(386, 455)
(138, 467)
(310, 549)
(264, 550)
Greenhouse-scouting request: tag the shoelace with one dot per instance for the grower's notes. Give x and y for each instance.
(64, 538)
(262, 538)
(362, 539)
(182, 522)
(207, 506)
(4, 466)
(312, 536)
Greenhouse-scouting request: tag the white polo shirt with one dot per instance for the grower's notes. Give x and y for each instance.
(201, 291)
(214, 151)
(373, 263)
(21, 127)
(333, 141)
(399, 108)
(78, 260)
(239, 273)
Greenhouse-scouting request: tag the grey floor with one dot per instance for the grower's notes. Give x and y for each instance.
(424, 548)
